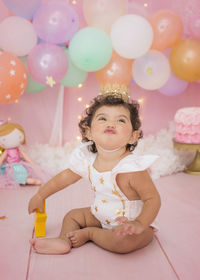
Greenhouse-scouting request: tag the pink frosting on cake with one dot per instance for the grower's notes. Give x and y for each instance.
(187, 125)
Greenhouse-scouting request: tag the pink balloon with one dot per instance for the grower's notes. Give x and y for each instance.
(17, 35)
(194, 26)
(47, 60)
(186, 10)
(55, 22)
(174, 86)
(102, 13)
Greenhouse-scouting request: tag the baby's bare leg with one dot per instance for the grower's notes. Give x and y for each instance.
(74, 220)
(109, 240)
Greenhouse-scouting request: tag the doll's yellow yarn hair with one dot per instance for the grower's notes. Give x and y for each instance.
(8, 127)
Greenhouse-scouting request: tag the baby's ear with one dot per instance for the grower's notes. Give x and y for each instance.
(135, 136)
(88, 133)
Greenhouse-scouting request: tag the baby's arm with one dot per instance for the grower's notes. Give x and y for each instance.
(142, 184)
(57, 183)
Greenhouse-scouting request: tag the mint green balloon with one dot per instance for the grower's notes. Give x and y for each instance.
(32, 86)
(74, 75)
(90, 49)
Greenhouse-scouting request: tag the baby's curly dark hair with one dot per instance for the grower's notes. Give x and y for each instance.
(110, 100)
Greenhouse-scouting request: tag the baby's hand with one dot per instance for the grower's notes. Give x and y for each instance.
(35, 203)
(127, 227)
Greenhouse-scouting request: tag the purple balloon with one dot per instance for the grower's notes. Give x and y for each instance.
(47, 60)
(56, 22)
(174, 86)
(22, 8)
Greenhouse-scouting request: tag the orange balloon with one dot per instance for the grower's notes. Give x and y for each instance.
(185, 60)
(117, 71)
(167, 27)
(13, 77)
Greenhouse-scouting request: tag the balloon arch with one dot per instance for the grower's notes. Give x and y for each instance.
(46, 46)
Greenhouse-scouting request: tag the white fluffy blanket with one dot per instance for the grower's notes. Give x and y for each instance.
(170, 161)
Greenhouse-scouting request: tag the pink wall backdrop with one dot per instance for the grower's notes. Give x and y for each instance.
(36, 111)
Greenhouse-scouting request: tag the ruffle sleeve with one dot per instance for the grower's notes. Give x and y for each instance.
(79, 160)
(134, 163)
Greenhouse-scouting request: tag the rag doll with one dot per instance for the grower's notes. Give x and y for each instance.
(16, 168)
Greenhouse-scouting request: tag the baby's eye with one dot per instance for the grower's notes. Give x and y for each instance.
(102, 119)
(122, 120)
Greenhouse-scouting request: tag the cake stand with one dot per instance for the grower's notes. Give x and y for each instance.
(194, 167)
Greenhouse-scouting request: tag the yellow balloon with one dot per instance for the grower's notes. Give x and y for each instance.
(185, 60)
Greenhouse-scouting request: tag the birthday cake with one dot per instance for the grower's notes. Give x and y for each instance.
(187, 125)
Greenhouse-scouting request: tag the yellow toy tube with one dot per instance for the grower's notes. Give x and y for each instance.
(40, 223)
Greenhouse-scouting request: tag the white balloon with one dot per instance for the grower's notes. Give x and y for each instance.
(131, 36)
(152, 70)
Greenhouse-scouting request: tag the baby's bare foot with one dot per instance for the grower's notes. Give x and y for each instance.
(78, 237)
(51, 246)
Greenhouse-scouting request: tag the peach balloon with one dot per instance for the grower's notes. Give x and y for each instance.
(167, 27)
(102, 13)
(185, 60)
(13, 77)
(118, 70)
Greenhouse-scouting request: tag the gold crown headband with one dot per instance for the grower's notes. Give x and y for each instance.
(115, 90)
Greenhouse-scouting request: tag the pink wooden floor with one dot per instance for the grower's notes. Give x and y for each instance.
(173, 254)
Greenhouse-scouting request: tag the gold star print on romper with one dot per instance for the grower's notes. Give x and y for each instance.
(101, 180)
(96, 209)
(107, 222)
(117, 212)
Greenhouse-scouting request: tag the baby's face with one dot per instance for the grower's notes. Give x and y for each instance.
(111, 127)
(12, 140)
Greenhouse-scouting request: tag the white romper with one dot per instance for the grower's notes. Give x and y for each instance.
(109, 201)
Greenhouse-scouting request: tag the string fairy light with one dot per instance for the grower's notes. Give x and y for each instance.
(145, 4)
(79, 99)
(141, 101)
(80, 85)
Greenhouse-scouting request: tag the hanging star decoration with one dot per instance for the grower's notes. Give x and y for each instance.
(50, 81)
(149, 70)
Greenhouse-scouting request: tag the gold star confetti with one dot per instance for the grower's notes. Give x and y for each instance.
(3, 217)
(50, 81)
(101, 180)
(149, 70)
(118, 212)
(107, 222)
